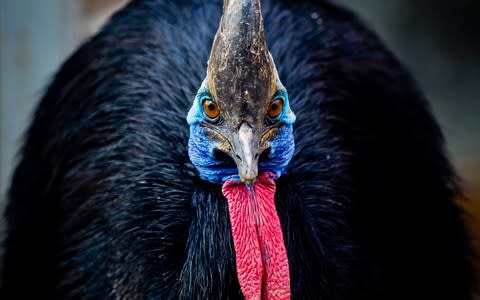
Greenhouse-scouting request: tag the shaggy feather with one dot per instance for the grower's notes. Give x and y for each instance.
(105, 204)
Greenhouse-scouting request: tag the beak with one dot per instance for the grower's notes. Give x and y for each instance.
(245, 153)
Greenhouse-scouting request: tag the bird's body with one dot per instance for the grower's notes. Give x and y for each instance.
(106, 204)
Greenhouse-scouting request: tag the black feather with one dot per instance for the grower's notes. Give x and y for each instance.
(105, 204)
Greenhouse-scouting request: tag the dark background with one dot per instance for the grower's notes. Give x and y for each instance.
(439, 41)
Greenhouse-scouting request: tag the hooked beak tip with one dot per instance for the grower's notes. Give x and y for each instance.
(247, 181)
(248, 178)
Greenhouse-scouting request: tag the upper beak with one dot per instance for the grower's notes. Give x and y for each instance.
(245, 153)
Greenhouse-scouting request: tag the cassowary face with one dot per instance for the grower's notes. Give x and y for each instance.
(240, 121)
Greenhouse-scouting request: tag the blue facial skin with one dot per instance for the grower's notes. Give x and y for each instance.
(201, 148)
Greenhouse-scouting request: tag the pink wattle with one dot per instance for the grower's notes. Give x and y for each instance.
(261, 257)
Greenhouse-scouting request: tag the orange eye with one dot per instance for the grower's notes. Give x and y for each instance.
(275, 108)
(211, 109)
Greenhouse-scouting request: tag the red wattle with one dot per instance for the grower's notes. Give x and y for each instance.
(261, 256)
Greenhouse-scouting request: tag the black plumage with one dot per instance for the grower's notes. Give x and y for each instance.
(105, 203)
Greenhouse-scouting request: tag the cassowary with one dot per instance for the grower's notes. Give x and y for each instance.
(301, 162)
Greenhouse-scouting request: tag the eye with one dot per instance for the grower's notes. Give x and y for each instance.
(275, 108)
(211, 109)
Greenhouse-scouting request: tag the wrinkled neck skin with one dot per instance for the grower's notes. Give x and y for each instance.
(261, 256)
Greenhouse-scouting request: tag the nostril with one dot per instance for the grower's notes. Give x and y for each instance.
(257, 155)
(238, 157)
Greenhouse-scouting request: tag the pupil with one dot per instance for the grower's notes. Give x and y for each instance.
(274, 106)
(211, 107)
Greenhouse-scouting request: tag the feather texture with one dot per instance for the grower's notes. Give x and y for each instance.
(105, 203)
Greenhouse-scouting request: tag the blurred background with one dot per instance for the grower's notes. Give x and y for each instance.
(439, 41)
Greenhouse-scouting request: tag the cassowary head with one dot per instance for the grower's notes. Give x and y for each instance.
(240, 121)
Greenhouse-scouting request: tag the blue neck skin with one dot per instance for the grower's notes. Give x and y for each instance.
(201, 148)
